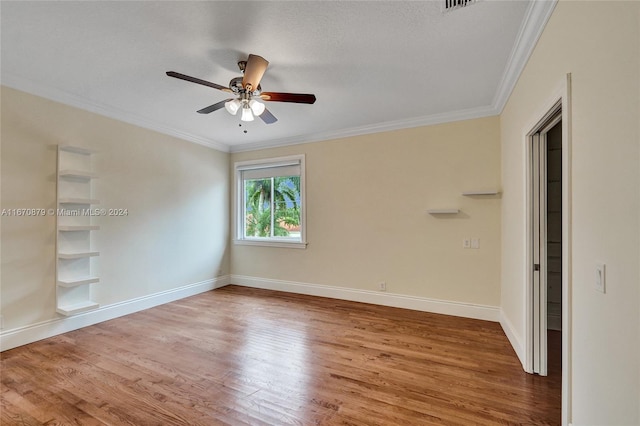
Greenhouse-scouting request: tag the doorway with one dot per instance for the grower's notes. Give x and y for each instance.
(537, 344)
(546, 262)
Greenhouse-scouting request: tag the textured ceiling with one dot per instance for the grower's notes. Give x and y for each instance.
(373, 66)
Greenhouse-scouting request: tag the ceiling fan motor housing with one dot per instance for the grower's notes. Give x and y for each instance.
(236, 86)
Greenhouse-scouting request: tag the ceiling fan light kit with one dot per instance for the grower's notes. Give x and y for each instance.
(247, 87)
(232, 106)
(256, 107)
(246, 114)
(250, 108)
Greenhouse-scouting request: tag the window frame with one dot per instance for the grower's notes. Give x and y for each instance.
(239, 203)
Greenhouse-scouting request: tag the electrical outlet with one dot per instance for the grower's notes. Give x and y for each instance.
(466, 243)
(382, 286)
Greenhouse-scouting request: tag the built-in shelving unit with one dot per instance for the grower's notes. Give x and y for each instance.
(443, 211)
(74, 251)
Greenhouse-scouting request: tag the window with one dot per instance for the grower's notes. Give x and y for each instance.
(270, 202)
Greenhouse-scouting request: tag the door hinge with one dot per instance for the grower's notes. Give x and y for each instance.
(536, 266)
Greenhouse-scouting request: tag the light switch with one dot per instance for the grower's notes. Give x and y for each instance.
(600, 278)
(475, 243)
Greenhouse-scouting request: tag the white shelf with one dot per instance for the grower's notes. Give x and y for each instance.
(71, 228)
(443, 211)
(78, 255)
(78, 174)
(77, 282)
(77, 149)
(78, 201)
(74, 276)
(77, 308)
(481, 192)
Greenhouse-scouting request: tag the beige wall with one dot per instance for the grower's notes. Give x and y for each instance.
(598, 43)
(366, 205)
(176, 193)
(367, 198)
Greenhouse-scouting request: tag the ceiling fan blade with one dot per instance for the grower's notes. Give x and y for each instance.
(253, 71)
(267, 117)
(198, 81)
(300, 98)
(214, 107)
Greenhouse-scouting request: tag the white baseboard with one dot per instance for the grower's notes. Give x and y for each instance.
(467, 310)
(23, 335)
(515, 341)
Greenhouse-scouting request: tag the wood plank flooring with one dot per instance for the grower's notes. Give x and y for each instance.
(241, 356)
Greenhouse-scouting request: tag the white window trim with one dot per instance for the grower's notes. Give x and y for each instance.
(238, 210)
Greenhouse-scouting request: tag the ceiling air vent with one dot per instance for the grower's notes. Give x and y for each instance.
(456, 4)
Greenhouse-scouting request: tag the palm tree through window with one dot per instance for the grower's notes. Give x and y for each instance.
(272, 207)
(270, 202)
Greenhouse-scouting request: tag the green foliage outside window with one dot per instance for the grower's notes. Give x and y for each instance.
(272, 207)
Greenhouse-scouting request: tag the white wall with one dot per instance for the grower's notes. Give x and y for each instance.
(177, 230)
(597, 42)
(367, 198)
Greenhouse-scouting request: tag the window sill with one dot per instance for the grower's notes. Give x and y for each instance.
(272, 243)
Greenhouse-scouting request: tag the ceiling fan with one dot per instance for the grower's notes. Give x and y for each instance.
(248, 90)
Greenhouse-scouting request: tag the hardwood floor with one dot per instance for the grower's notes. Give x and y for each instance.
(242, 356)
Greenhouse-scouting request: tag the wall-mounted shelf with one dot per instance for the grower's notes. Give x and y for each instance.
(77, 174)
(79, 255)
(87, 201)
(76, 149)
(71, 228)
(77, 282)
(77, 308)
(74, 251)
(443, 211)
(481, 192)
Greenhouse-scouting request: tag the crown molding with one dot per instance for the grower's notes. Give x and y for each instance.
(430, 120)
(57, 95)
(537, 15)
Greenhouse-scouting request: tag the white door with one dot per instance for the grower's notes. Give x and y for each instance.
(538, 261)
(539, 234)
